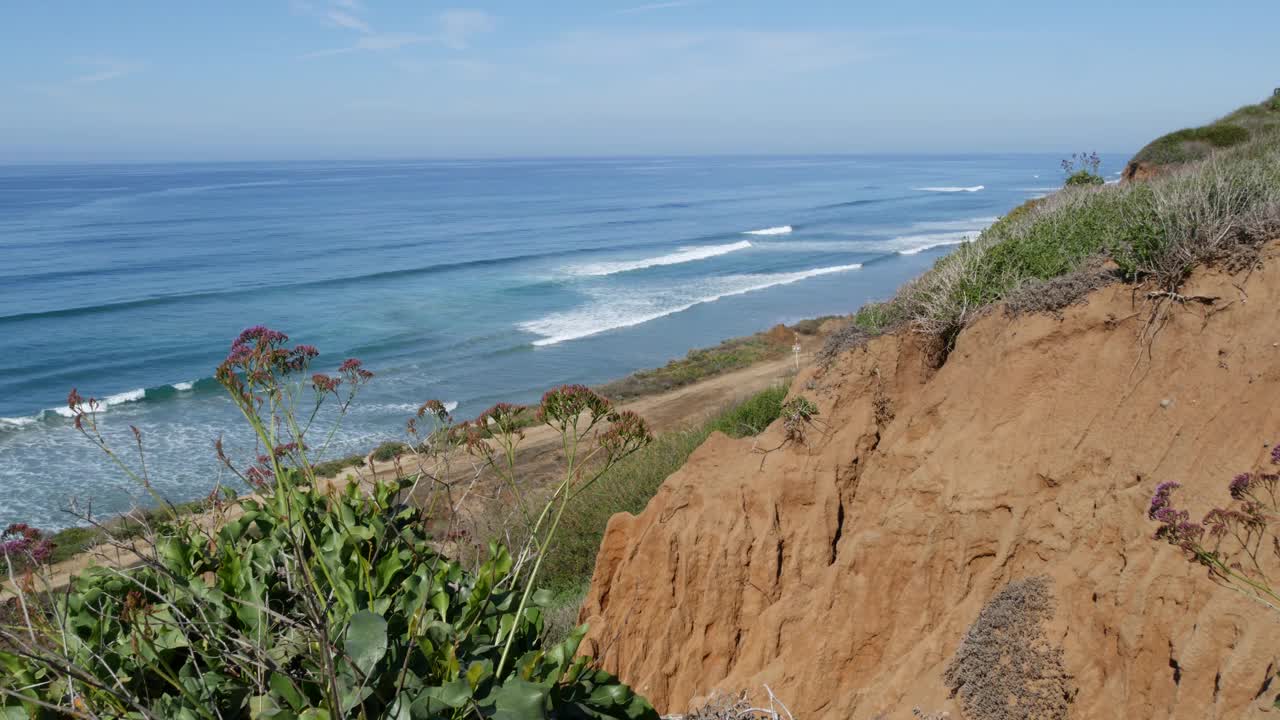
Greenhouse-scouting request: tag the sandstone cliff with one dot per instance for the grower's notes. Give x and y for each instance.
(844, 572)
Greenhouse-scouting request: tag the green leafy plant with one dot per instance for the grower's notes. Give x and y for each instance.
(308, 600)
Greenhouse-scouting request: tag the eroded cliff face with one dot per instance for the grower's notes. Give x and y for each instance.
(844, 572)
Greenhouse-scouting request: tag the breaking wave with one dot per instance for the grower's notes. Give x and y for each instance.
(780, 230)
(973, 188)
(610, 311)
(684, 255)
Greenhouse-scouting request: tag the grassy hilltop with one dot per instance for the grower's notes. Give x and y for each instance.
(1216, 199)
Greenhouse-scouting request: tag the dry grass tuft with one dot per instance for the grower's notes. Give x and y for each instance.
(1005, 668)
(727, 706)
(1056, 294)
(841, 341)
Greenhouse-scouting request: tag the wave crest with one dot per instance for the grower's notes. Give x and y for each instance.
(611, 312)
(953, 189)
(780, 230)
(684, 255)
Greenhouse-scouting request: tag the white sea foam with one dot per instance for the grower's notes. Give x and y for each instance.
(609, 311)
(976, 223)
(184, 386)
(104, 404)
(973, 188)
(124, 397)
(13, 423)
(914, 244)
(409, 408)
(780, 230)
(683, 255)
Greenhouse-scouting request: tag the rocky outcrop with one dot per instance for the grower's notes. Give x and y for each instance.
(1136, 171)
(843, 571)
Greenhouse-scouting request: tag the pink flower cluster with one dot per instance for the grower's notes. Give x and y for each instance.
(22, 544)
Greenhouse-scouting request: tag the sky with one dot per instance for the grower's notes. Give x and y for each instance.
(174, 80)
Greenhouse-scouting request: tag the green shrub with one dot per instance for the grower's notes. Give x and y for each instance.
(313, 602)
(1084, 177)
(1082, 169)
(753, 415)
(330, 468)
(877, 317)
(630, 485)
(697, 365)
(388, 451)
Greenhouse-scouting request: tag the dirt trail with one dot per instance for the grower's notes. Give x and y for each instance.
(844, 571)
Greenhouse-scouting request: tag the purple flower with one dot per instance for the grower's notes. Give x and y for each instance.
(1240, 485)
(1275, 454)
(1162, 499)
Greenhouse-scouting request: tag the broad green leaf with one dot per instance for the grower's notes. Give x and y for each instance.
(366, 640)
(518, 699)
(454, 694)
(283, 687)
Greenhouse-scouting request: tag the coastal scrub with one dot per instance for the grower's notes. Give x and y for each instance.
(309, 599)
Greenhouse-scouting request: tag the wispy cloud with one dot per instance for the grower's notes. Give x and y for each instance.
(458, 26)
(656, 6)
(351, 22)
(104, 69)
(454, 29)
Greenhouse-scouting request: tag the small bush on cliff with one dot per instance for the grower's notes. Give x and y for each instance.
(1082, 169)
(1005, 668)
(753, 415)
(306, 601)
(388, 451)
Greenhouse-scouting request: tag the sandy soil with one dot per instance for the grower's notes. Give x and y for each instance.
(844, 571)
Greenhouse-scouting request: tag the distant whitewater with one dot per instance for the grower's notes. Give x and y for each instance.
(612, 312)
(681, 256)
(953, 189)
(779, 230)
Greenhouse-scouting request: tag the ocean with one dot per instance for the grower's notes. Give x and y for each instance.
(466, 281)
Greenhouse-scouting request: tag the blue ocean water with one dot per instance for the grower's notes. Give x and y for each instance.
(467, 281)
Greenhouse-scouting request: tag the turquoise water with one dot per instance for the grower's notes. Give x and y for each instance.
(470, 282)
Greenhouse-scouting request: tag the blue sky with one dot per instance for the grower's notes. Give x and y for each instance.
(323, 79)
